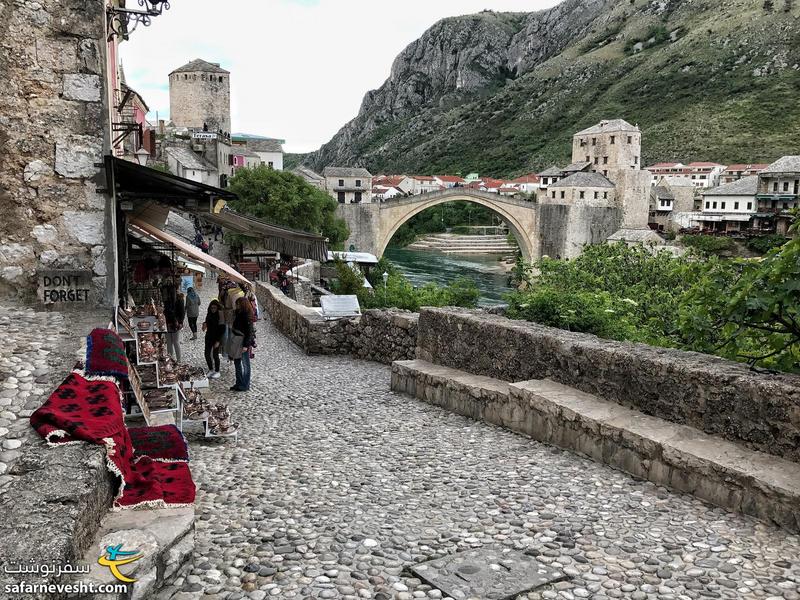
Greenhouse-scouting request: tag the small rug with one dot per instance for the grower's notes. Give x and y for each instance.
(163, 444)
(89, 410)
(105, 354)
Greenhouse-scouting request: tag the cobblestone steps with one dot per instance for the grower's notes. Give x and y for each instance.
(676, 456)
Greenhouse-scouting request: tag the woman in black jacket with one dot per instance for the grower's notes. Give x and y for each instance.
(243, 333)
(214, 327)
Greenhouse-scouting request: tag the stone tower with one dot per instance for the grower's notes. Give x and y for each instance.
(200, 94)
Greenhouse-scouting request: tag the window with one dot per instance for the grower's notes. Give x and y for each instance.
(605, 195)
(358, 183)
(722, 206)
(630, 139)
(340, 197)
(605, 160)
(596, 194)
(597, 160)
(708, 205)
(749, 206)
(588, 159)
(702, 177)
(735, 206)
(583, 143)
(785, 186)
(562, 195)
(594, 141)
(554, 194)
(694, 176)
(545, 180)
(714, 205)
(341, 183)
(605, 173)
(583, 194)
(270, 164)
(775, 187)
(613, 138)
(357, 197)
(203, 77)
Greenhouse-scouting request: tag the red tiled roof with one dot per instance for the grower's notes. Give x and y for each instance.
(704, 164)
(493, 183)
(532, 178)
(422, 177)
(663, 165)
(753, 167)
(450, 178)
(389, 180)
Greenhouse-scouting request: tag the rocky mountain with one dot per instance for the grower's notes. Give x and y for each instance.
(502, 93)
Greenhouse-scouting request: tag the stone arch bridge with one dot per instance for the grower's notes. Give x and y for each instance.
(372, 225)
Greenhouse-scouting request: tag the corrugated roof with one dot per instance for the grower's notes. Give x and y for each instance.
(346, 172)
(189, 159)
(611, 125)
(786, 164)
(746, 186)
(582, 179)
(198, 65)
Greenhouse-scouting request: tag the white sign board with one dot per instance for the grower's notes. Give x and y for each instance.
(204, 135)
(337, 307)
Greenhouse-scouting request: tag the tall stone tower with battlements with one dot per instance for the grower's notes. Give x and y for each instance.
(200, 95)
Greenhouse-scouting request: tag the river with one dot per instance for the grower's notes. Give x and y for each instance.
(422, 266)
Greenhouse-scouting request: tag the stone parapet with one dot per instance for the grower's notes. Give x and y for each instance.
(379, 335)
(676, 456)
(713, 395)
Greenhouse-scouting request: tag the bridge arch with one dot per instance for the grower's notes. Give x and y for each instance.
(519, 215)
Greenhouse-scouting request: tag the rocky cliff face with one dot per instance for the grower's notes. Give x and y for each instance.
(504, 91)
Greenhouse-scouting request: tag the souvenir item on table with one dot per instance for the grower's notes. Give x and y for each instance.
(219, 420)
(163, 444)
(189, 373)
(86, 410)
(151, 309)
(194, 405)
(160, 399)
(105, 354)
(144, 325)
(140, 311)
(148, 375)
(166, 372)
(148, 348)
(162, 321)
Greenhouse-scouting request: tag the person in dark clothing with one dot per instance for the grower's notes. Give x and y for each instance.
(243, 326)
(214, 327)
(175, 314)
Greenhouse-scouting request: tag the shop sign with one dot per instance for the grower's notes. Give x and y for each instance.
(65, 287)
(204, 136)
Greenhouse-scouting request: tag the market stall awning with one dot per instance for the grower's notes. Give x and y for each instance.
(273, 237)
(186, 249)
(132, 182)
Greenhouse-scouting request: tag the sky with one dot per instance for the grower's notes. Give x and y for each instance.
(299, 68)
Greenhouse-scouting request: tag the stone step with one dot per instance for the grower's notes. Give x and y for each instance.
(165, 537)
(675, 456)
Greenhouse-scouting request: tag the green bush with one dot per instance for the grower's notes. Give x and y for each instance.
(349, 280)
(764, 243)
(707, 244)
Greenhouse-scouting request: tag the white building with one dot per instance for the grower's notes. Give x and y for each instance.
(424, 184)
(348, 185)
(185, 163)
(381, 193)
(730, 207)
(449, 181)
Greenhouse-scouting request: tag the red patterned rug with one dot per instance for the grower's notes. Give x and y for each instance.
(105, 354)
(90, 410)
(163, 444)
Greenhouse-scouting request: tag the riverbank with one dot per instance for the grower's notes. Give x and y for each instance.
(451, 243)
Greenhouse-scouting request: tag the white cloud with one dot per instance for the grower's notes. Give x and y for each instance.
(299, 68)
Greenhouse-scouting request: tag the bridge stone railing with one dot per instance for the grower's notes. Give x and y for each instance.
(456, 193)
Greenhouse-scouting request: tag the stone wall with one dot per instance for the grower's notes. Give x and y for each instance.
(380, 335)
(708, 393)
(53, 131)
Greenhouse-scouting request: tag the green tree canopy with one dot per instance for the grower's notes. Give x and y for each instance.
(285, 199)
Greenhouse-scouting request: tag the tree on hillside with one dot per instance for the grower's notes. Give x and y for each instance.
(286, 199)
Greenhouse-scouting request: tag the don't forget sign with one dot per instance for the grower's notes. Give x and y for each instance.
(65, 287)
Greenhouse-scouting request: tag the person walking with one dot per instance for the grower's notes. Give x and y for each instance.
(241, 343)
(175, 315)
(214, 327)
(192, 310)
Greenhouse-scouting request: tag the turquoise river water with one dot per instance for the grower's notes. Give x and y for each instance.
(423, 266)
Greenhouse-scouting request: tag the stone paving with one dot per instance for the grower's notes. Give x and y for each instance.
(337, 485)
(37, 350)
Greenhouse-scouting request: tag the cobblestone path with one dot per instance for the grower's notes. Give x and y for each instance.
(337, 484)
(37, 351)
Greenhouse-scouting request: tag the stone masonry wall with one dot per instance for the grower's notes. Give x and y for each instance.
(708, 393)
(379, 335)
(53, 121)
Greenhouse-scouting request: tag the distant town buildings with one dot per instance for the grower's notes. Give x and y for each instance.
(702, 174)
